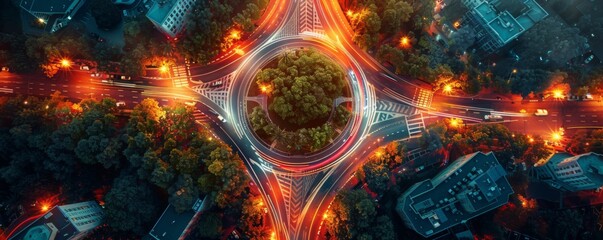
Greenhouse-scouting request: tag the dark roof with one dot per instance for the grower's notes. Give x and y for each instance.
(172, 224)
(470, 186)
(66, 230)
(46, 6)
(515, 7)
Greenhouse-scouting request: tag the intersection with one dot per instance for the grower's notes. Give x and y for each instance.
(298, 189)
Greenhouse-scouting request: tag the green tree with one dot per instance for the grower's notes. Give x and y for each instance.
(353, 215)
(130, 205)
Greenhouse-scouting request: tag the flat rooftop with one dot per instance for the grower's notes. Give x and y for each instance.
(470, 186)
(159, 12)
(506, 25)
(171, 224)
(52, 226)
(47, 6)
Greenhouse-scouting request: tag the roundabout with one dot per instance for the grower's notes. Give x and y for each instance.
(299, 102)
(328, 155)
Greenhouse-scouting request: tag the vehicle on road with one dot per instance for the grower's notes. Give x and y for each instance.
(523, 111)
(5, 69)
(216, 83)
(85, 68)
(121, 104)
(192, 104)
(419, 168)
(493, 118)
(541, 112)
(221, 118)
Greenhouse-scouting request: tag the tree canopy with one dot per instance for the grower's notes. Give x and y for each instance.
(305, 85)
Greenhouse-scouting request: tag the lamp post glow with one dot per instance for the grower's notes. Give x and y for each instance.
(405, 42)
(163, 69)
(65, 63)
(447, 89)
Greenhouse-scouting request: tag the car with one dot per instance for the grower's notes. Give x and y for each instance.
(216, 83)
(192, 104)
(419, 168)
(493, 118)
(522, 111)
(541, 112)
(5, 69)
(588, 59)
(85, 68)
(126, 77)
(121, 104)
(221, 118)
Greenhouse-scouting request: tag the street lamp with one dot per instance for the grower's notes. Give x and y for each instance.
(447, 89)
(405, 42)
(455, 122)
(557, 94)
(163, 69)
(65, 63)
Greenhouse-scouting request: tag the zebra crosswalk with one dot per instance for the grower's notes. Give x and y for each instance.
(415, 124)
(180, 75)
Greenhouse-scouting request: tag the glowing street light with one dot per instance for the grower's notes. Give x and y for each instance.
(457, 24)
(65, 63)
(405, 42)
(556, 136)
(455, 122)
(350, 13)
(164, 68)
(447, 89)
(235, 34)
(558, 94)
(239, 51)
(44, 208)
(514, 71)
(41, 20)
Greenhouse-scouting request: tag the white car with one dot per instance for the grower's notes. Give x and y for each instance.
(85, 68)
(541, 112)
(221, 118)
(121, 104)
(493, 118)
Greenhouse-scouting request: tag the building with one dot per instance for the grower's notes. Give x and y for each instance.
(56, 14)
(123, 2)
(72, 221)
(173, 225)
(498, 22)
(571, 173)
(169, 15)
(469, 187)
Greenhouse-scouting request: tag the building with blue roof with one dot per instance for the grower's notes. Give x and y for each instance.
(72, 221)
(56, 14)
(567, 172)
(470, 186)
(169, 16)
(498, 22)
